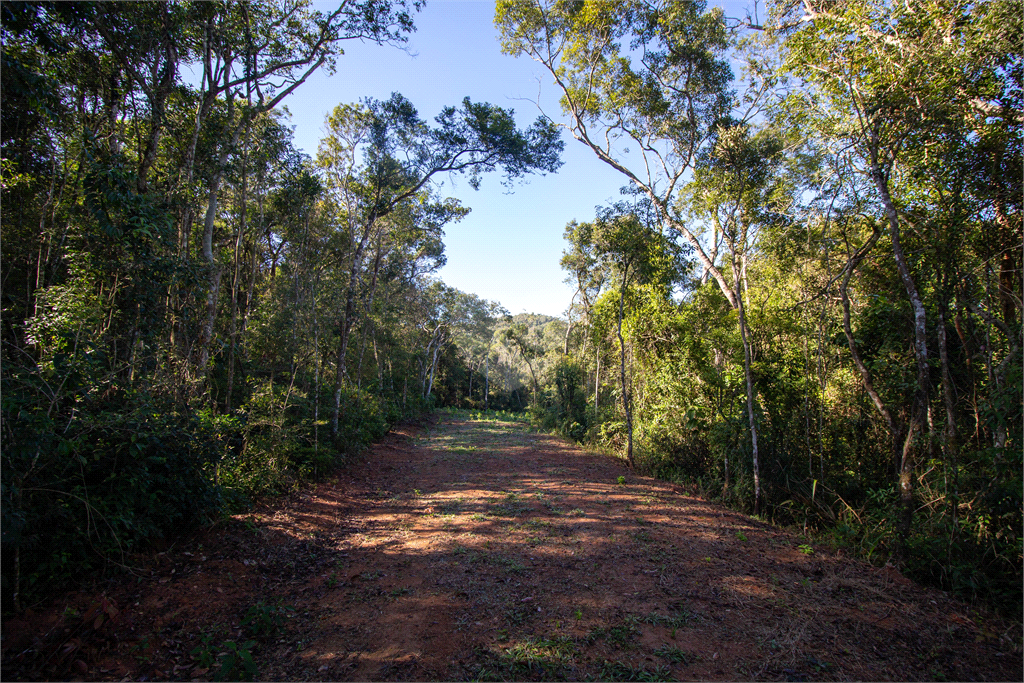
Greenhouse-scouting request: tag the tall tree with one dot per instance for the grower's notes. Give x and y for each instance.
(402, 155)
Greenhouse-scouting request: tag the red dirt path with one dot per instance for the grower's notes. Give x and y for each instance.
(480, 550)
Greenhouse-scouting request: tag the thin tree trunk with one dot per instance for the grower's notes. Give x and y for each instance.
(369, 310)
(920, 345)
(235, 277)
(215, 272)
(345, 325)
(433, 367)
(751, 416)
(626, 407)
(949, 441)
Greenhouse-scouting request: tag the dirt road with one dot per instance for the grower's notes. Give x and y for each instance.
(479, 550)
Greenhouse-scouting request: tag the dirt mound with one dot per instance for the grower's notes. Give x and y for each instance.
(479, 550)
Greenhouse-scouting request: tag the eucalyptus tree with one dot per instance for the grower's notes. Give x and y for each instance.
(516, 337)
(862, 64)
(451, 315)
(624, 243)
(643, 85)
(737, 187)
(380, 156)
(253, 57)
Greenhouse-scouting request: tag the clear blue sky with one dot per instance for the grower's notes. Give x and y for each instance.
(507, 249)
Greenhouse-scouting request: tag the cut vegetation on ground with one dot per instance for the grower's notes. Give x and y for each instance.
(475, 549)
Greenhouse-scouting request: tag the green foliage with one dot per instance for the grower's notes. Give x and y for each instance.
(675, 655)
(203, 653)
(81, 491)
(237, 663)
(266, 620)
(865, 178)
(564, 407)
(624, 671)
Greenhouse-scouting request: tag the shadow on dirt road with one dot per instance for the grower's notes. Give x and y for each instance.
(476, 549)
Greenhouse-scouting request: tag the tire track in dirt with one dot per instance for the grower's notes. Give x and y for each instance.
(480, 550)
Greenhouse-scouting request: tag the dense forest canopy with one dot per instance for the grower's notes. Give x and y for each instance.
(807, 301)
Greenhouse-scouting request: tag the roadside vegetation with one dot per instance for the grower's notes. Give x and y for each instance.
(806, 305)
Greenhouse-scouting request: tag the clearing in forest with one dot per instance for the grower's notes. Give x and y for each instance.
(476, 549)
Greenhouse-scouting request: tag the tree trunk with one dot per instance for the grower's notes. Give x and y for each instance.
(751, 417)
(369, 310)
(626, 407)
(920, 345)
(236, 276)
(949, 440)
(345, 324)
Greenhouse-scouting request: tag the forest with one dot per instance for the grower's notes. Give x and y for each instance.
(806, 303)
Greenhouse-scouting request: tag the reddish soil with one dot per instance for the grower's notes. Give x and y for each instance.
(480, 550)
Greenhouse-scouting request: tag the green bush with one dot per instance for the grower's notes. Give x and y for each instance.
(82, 489)
(78, 494)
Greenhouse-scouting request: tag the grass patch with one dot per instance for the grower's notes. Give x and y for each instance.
(619, 637)
(531, 659)
(448, 507)
(512, 506)
(624, 671)
(678, 620)
(509, 564)
(673, 654)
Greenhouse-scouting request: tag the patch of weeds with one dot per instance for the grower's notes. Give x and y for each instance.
(370, 576)
(742, 536)
(517, 615)
(468, 554)
(462, 449)
(533, 659)
(203, 653)
(643, 536)
(677, 620)
(575, 512)
(538, 654)
(332, 581)
(236, 664)
(621, 480)
(264, 619)
(479, 517)
(140, 651)
(820, 666)
(250, 525)
(511, 507)
(448, 507)
(396, 593)
(623, 671)
(619, 637)
(673, 654)
(510, 565)
(805, 549)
